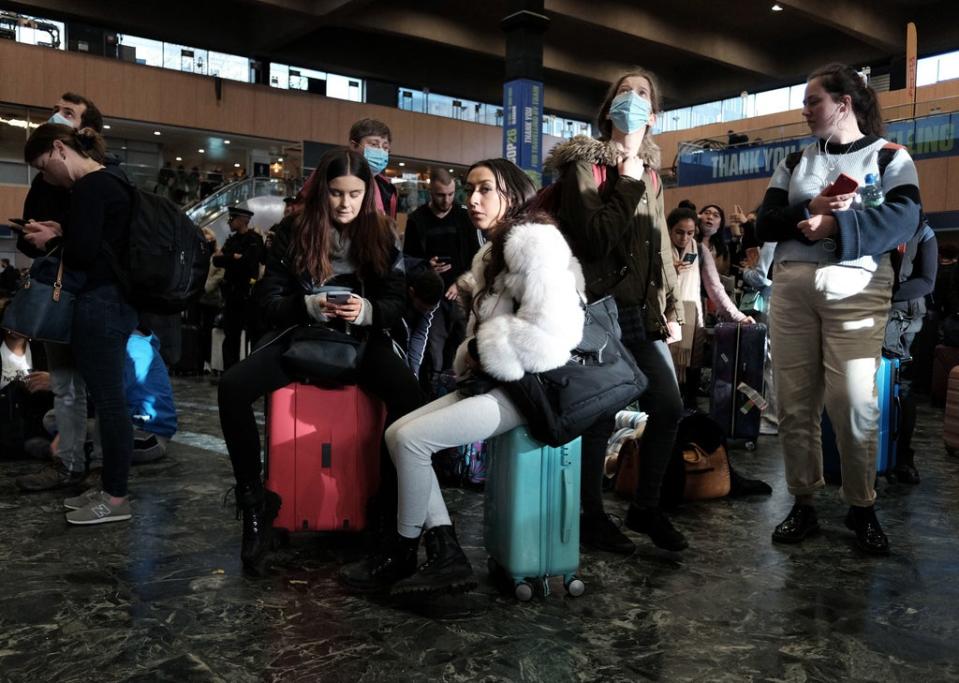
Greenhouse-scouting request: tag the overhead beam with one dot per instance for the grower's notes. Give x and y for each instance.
(880, 28)
(636, 21)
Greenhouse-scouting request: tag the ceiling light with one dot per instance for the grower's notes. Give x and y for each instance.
(280, 160)
(106, 126)
(777, 8)
(156, 132)
(201, 151)
(226, 142)
(124, 147)
(179, 158)
(452, 171)
(236, 165)
(402, 163)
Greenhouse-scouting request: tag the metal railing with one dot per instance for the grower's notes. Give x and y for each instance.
(212, 207)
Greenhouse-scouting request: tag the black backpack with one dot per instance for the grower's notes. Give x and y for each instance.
(168, 259)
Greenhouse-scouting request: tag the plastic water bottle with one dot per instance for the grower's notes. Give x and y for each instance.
(871, 192)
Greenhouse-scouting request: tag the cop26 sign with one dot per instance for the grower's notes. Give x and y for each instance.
(932, 136)
(523, 127)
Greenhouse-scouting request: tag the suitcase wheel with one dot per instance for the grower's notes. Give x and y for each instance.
(523, 591)
(575, 587)
(750, 445)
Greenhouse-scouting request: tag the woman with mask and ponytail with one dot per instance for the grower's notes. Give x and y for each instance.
(832, 283)
(96, 221)
(611, 210)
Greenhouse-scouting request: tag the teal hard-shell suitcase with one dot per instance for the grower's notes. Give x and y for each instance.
(531, 521)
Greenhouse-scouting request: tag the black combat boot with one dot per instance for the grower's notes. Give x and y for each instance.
(446, 568)
(380, 570)
(259, 507)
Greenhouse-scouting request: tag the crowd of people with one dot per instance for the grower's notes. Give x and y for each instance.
(487, 293)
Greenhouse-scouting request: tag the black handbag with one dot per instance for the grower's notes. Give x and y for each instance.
(320, 355)
(42, 309)
(600, 378)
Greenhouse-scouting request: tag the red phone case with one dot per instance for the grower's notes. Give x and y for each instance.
(842, 185)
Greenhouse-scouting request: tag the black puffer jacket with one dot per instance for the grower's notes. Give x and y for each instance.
(280, 293)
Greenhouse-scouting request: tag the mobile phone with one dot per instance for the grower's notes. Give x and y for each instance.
(690, 257)
(18, 223)
(338, 298)
(444, 259)
(842, 185)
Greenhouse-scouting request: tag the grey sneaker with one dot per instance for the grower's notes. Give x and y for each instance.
(52, 476)
(83, 499)
(100, 511)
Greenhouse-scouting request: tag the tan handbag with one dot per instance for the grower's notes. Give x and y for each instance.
(707, 474)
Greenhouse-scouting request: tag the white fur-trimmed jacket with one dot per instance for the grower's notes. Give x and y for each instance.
(533, 317)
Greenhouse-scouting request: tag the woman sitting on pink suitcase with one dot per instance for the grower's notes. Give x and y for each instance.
(338, 240)
(525, 287)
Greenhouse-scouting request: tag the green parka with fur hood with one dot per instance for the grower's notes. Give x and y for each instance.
(619, 234)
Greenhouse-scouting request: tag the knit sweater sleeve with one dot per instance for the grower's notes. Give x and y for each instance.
(714, 287)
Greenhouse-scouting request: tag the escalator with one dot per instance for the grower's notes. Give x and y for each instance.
(262, 196)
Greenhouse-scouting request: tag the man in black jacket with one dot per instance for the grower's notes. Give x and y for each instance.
(441, 235)
(240, 259)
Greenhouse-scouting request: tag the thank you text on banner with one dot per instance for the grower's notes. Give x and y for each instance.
(523, 126)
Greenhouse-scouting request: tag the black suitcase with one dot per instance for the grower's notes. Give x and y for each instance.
(191, 352)
(739, 355)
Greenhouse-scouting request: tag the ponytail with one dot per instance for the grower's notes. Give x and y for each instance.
(86, 142)
(840, 80)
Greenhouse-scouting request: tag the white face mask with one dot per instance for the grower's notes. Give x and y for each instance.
(60, 119)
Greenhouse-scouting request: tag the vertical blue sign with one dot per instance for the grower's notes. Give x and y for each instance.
(523, 126)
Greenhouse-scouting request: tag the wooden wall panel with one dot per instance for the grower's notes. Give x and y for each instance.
(153, 95)
(933, 183)
(11, 200)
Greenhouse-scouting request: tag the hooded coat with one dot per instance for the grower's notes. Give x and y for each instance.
(618, 232)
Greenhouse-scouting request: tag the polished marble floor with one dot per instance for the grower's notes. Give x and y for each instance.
(162, 598)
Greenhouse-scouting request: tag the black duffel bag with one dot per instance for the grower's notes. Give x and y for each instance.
(600, 378)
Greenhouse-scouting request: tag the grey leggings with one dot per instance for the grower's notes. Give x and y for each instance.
(447, 422)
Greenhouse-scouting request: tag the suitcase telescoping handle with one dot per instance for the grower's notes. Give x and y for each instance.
(568, 502)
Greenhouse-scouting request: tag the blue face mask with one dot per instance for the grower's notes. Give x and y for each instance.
(376, 158)
(61, 119)
(629, 112)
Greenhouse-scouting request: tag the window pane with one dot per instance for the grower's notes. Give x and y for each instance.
(149, 52)
(42, 36)
(183, 58)
(927, 70)
(234, 67)
(344, 87)
(949, 66)
(772, 101)
(797, 94)
(13, 132)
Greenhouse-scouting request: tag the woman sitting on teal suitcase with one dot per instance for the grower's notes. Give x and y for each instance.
(523, 292)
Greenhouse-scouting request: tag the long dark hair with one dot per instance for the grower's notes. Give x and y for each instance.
(840, 80)
(86, 142)
(370, 234)
(516, 189)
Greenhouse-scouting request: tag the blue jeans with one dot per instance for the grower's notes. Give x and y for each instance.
(102, 322)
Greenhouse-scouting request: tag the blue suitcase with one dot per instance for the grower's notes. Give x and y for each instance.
(531, 521)
(887, 383)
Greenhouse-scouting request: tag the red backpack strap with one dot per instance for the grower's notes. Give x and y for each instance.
(599, 174)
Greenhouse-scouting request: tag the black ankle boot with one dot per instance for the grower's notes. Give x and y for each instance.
(869, 535)
(800, 523)
(259, 507)
(383, 568)
(653, 522)
(446, 567)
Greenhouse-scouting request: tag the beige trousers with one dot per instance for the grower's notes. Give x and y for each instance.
(827, 325)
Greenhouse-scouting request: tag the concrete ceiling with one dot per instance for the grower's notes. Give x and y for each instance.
(701, 50)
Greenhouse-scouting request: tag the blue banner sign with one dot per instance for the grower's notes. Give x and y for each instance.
(522, 126)
(932, 136)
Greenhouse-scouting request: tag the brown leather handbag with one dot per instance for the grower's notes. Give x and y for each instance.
(627, 474)
(707, 474)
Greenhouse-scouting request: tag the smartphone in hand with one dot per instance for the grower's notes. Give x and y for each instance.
(844, 184)
(18, 223)
(690, 257)
(338, 298)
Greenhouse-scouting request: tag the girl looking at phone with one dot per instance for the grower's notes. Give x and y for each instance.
(695, 269)
(338, 242)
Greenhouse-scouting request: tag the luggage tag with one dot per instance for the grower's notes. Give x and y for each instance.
(753, 398)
